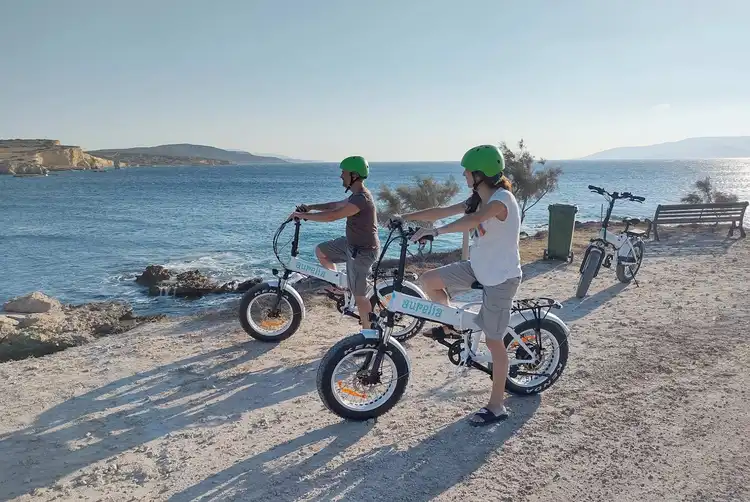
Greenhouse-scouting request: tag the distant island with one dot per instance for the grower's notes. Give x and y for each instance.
(183, 154)
(720, 147)
(39, 157)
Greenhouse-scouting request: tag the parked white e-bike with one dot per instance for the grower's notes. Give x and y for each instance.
(537, 348)
(626, 247)
(273, 310)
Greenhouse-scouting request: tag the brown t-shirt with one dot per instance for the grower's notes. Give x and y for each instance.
(362, 228)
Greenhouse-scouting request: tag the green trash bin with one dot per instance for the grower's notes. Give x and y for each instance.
(562, 223)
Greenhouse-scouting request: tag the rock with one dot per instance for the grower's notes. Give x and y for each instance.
(189, 284)
(8, 320)
(33, 303)
(41, 333)
(239, 287)
(153, 275)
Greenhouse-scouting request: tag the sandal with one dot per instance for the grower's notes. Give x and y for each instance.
(487, 417)
(443, 332)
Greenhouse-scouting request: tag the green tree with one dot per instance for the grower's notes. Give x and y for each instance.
(529, 185)
(706, 194)
(425, 193)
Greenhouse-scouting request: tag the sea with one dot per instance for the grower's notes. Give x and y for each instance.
(84, 236)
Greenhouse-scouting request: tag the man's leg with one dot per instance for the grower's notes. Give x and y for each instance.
(323, 259)
(493, 318)
(331, 252)
(358, 269)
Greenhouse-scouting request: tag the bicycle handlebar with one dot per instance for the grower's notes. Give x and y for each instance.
(615, 195)
(409, 231)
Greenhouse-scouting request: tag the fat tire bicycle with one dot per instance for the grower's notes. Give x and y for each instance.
(271, 326)
(626, 247)
(374, 350)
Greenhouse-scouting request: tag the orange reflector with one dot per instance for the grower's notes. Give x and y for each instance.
(347, 390)
(271, 323)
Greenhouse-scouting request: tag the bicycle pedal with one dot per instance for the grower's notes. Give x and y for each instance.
(460, 371)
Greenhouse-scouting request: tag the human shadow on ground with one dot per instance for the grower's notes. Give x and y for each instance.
(577, 308)
(419, 473)
(206, 389)
(541, 267)
(680, 243)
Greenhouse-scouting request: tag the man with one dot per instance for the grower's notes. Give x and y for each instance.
(493, 217)
(360, 247)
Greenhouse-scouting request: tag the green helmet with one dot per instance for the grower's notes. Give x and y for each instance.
(356, 164)
(487, 159)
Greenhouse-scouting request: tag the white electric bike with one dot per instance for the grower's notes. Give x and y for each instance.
(273, 310)
(626, 247)
(537, 348)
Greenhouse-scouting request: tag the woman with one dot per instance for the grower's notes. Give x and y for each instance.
(494, 220)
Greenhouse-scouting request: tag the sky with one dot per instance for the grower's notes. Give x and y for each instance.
(387, 79)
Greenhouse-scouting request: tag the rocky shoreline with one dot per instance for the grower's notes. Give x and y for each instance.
(35, 324)
(161, 281)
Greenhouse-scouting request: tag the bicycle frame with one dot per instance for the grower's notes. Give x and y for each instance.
(619, 241)
(459, 317)
(296, 269)
(463, 320)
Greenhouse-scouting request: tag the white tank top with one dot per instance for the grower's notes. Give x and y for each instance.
(494, 254)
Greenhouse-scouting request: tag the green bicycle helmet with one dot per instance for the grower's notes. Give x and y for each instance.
(356, 164)
(487, 159)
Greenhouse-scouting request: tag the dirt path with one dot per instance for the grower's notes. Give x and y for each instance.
(653, 405)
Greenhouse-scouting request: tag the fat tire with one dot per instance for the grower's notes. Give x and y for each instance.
(408, 291)
(562, 340)
(262, 288)
(340, 350)
(589, 269)
(620, 269)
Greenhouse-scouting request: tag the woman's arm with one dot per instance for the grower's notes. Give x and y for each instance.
(495, 209)
(435, 213)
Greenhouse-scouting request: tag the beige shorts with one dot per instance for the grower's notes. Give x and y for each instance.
(494, 315)
(358, 262)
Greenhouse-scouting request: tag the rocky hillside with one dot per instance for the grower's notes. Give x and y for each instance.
(39, 156)
(183, 154)
(135, 159)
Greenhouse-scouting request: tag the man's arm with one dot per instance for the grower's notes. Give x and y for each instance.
(325, 206)
(343, 211)
(435, 213)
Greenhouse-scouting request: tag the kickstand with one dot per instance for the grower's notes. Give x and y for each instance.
(635, 280)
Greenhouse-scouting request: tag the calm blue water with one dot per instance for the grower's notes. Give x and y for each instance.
(84, 236)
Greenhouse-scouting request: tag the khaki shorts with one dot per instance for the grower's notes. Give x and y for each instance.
(358, 262)
(494, 315)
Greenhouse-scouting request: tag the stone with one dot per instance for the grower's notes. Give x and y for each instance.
(33, 303)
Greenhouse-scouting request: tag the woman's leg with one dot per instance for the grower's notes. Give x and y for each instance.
(434, 287)
(494, 317)
(436, 283)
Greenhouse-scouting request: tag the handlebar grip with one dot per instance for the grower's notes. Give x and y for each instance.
(592, 187)
(638, 198)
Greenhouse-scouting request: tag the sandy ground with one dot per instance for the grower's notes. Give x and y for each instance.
(652, 406)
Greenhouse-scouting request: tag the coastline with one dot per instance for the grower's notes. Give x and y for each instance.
(53, 334)
(192, 408)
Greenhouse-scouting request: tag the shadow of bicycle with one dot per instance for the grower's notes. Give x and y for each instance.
(421, 472)
(206, 389)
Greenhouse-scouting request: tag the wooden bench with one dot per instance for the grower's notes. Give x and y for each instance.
(720, 212)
